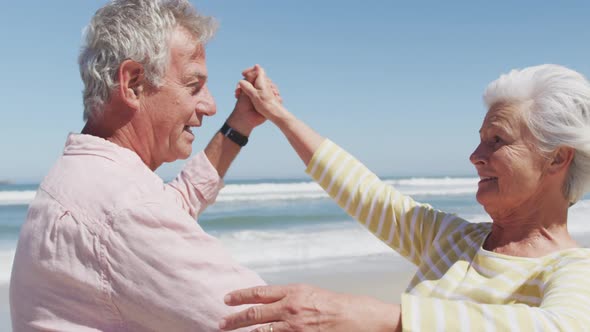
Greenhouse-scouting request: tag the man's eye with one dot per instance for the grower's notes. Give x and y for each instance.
(497, 139)
(195, 88)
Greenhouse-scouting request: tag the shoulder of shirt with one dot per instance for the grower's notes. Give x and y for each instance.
(578, 256)
(569, 260)
(94, 196)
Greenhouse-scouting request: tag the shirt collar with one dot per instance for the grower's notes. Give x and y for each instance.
(82, 144)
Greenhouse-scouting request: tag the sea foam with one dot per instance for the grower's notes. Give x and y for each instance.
(272, 248)
(300, 190)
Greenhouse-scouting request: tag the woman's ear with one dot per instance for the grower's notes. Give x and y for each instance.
(131, 82)
(561, 160)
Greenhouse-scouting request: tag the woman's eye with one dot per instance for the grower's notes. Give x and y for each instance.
(497, 139)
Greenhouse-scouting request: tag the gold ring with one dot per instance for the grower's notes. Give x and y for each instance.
(270, 329)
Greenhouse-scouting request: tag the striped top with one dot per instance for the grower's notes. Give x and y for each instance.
(459, 286)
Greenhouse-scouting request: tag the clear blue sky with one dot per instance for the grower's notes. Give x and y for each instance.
(397, 83)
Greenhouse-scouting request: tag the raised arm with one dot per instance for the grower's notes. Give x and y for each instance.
(221, 151)
(304, 140)
(400, 222)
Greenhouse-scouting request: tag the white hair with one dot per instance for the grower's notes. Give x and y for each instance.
(557, 102)
(139, 30)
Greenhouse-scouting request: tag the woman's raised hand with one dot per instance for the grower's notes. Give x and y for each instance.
(263, 93)
(267, 101)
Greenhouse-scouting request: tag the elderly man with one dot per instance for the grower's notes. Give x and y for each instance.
(108, 245)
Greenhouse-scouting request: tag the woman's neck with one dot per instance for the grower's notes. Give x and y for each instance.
(529, 241)
(532, 230)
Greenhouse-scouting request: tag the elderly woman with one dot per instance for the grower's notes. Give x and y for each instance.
(522, 271)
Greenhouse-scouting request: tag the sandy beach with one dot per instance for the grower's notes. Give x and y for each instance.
(384, 277)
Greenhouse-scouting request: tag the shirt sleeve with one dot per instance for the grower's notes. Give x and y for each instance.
(403, 224)
(197, 185)
(167, 274)
(564, 307)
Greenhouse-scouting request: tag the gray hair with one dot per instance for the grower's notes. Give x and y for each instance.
(139, 30)
(557, 103)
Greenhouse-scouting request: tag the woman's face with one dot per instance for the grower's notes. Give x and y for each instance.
(510, 168)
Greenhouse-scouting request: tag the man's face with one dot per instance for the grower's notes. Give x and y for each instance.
(180, 103)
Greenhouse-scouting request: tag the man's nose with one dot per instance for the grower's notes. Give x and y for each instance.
(206, 104)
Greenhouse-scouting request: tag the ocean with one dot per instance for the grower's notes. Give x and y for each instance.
(270, 225)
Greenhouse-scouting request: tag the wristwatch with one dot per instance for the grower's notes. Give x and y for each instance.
(233, 135)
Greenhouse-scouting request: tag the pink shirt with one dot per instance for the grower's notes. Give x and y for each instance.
(108, 246)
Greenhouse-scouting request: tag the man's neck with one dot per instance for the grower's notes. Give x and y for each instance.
(122, 132)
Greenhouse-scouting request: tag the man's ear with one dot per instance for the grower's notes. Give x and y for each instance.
(562, 158)
(131, 82)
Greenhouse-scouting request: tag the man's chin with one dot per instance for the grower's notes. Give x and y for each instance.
(185, 155)
(182, 154)
(187, 151)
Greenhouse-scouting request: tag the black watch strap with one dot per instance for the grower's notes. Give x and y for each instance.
(233, 135)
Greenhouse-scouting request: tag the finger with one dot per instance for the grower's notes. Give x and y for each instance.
(249, 69)
(247, 88)
(254, 315)
(253, 295)
(277, 94)
(250, 74)
(261, 82)
(261, 78)
(259, 68)
(273, 86)
(238, 91)
(275, 91)
(276, 327)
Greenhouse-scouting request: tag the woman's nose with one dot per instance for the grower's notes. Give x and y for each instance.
(478, 156)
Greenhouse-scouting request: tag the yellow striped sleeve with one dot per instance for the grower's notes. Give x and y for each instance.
(564, 307)
(403, 224)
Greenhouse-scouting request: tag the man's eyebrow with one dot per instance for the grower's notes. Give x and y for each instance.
(189, 78)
